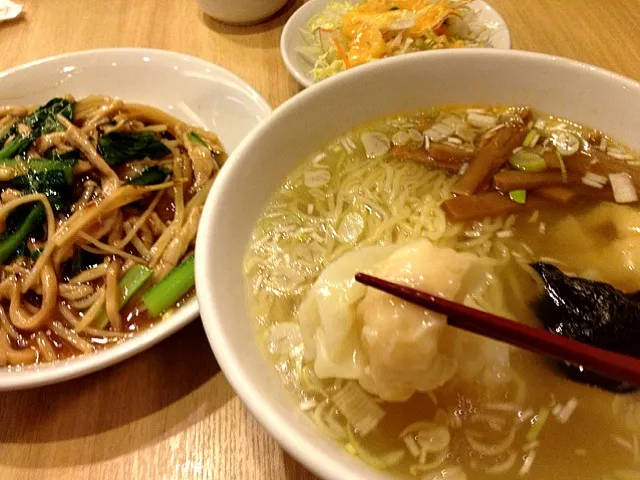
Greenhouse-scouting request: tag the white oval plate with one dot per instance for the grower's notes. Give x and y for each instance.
(189, 88)
(299, 66)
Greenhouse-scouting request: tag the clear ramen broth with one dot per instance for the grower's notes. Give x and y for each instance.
(394, 191)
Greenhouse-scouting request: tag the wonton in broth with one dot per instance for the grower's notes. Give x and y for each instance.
(472, 204)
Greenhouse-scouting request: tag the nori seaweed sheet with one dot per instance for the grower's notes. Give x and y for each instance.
(591, 312)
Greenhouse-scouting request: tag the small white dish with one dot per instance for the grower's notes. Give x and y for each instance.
(9, 10)
(189, 88)
(317, 115)
(299, 66)
(241, 12)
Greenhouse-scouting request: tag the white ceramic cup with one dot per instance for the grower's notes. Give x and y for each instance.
(241, 12)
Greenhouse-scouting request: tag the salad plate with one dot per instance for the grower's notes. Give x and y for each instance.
(312, 45)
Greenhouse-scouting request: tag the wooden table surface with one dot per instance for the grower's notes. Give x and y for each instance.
(169, 412)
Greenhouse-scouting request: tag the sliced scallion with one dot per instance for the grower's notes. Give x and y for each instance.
(482, 121)
(375, 144)
(624, 191)
(540, 420)
(379, 462)
(529, 138)
(527, 161)
(518, 196)
(566, 143)
(360, 410)
(171, 289)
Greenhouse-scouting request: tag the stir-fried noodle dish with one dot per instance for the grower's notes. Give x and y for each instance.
(100, 205)
(508, 210)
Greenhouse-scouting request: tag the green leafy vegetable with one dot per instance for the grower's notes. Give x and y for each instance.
(151, 176)
(72, 156)
(80, 261)
(44, 121)
(118, 148)
(12, 242)
(52, 183)
(34, 165)
(7, 131)
(171, 289)
(41, 181)
(17, 146)
(130, 283)
(194, 137)
(51, 177)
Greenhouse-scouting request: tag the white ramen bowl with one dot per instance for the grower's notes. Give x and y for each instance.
(305, 123)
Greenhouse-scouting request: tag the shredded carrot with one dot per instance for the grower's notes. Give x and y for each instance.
(462, 5)
(440, 29)
(371, 30)
(341, 52)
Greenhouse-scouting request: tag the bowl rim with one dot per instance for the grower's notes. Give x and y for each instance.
(282, 430)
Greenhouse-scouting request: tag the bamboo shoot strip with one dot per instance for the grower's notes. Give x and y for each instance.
(557, 194)
(491, 157)
(488, 204)
(435, 156)
(508, 180)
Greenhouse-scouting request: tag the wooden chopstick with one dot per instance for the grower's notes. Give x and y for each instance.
(620, 367)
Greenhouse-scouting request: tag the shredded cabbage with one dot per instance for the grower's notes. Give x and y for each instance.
(331, 17)
(318, 49)
(350, 33)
